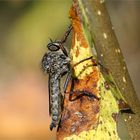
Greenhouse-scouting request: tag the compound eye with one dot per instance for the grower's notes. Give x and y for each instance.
(53, 46)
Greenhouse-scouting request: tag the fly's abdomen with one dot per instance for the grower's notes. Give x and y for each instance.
(55, 100)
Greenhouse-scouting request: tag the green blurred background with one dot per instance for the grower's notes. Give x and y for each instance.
(25, 29)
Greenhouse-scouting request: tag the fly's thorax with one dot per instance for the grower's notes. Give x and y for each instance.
(60, 63)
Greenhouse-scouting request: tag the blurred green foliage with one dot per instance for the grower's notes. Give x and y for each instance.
(26, 27)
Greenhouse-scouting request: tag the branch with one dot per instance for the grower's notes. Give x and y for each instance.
(110, 55)
(95, 117)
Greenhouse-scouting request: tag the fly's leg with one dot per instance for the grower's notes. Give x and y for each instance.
(59, 124)
(71, 89)
(68, 78)
(63, 40)
(91, 57)
(95, 63)
(81, 93)
(78, 92)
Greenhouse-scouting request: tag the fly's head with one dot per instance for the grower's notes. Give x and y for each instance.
(56, 61)
(48, 58)
(55, 46)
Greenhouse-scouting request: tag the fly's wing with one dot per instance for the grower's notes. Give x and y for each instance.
(50, 104)
(123, 106)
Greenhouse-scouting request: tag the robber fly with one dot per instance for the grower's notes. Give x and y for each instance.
(57, 63)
